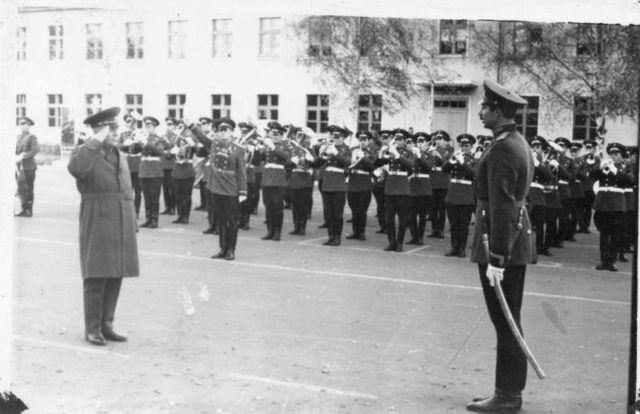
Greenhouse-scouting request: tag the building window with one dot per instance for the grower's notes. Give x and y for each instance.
(588, 40)
(21, 106)
(521, 38)
(369, 112)
(135, 40)
(269, 36)
(453, 37)
(22, 43)
(93, 102)
(175, 105)
(320, 43)
(55, 110)
(584, 118)
(220, 106)
(177, 39)
(133, 103)
(527, 117)
(268, 107)
(221, 38)
(94, 41)
(318, 112)
(55, 42)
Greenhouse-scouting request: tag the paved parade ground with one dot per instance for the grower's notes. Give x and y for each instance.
(297, 327)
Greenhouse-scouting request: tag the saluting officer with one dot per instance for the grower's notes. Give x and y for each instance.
(421, 191)
(26, 150)
(591, 162)
(133, 151)
(397, 192)
(276, 154)
(460, 198)
(577, 193)
(360, 185)
(150, 171)
(610, 205)
(228, 182)
(503, 175)
(441, 152)
(536, 200)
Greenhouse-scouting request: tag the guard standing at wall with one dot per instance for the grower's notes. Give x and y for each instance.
(421, 192)
(26, 150)
(108, 245)
(503, 175)
(150, 171)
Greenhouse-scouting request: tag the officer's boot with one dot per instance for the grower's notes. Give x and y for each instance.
(222, 242)
(147, 216)
(277, 226)
(93, 294)
(179, 219)
(330, 233)
(391, 237)
(296, 227)
(269, 234)
(111, 294)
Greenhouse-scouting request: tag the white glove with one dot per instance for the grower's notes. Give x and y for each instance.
(190, 141)
(295, 159)
(269, 143)
(495, 274)
(536, 162)
(554, 163)
(460, 159)
(613, 169)
(251, 148)
(393, 151)
(308, 156)
(174, 150)
(332, 150)
(242, 198)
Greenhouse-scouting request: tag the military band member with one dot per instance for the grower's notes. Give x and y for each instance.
(183, 175)
(228, 182)
(397, 191)
(566, 173)
(166, 163)
(421, 192)
(610, 205)
(380, 178)
(337, 158)
(301, 181)
(276, 154)
(206, 125)
(460, 198)
(133, 151)
(360, 184)
(503, 175)
(577, 193)
(26, 150)
(200, 161)
(249, 137)
(108, 245)
(631, 194)
(552, 196)
(591, 162)
(441, 152)
(151, 173)
(536, 199)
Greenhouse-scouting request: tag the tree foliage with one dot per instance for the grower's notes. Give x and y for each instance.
(568, 60)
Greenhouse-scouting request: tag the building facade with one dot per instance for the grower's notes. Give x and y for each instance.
(192, 59)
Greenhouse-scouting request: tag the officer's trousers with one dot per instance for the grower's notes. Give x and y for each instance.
(26, 195)
(300, 205)
(438, 210)
(538, 222)
(227, 209)
(359, 202)
(137, 192)
(100, 299)
(563, 220)
(459, 219)
(611, 225)
(151, 188)
(587, 204)
(168, 190)
(575, 216)
(417, 221)
(396, 205)
(273, 200)
(183, 193)
(256, 194)
(511, 362)
(335, 201)
(378, 194)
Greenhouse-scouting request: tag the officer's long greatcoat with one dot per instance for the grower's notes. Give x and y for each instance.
(503, 176)
(108, 246)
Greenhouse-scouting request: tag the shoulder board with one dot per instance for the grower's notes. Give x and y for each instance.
(502, 136)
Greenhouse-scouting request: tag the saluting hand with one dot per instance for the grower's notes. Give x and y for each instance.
(495, 274)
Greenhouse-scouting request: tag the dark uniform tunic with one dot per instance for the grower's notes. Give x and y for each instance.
(166, 163)
(566, 173)
(334, 186)
(503, 175)
(460, 201)
(301, 187)
(151, 176)
(27, 144)
(577, 197)
(440, 184)
(397, 197)
(590, 163)
(421, 194)
(133, 152)
(274, 186)
(537, 203)
(183, 177)
(359, 187)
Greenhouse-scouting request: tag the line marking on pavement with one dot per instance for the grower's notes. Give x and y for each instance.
(473, 329)
(309, 241)
(309, 387)
(338, 274)
(69, 347)
(417, 249)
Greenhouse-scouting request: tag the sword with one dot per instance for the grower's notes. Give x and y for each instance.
(509, 317)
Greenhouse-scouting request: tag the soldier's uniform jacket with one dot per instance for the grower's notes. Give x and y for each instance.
(587, 183)
(565, 174)
(334, 179)
(610, 195)
(227, 170)
(275, 160)
(551, 193)
(168, 160)
(108, 246)
(183, 166)
(253, 161)
(360, 176)
(461, 190)
(503, 175)
(27, 143)
(397, 182)
(420, 180)
(440, 179)
(133, 151)
(302, 172)
(629, 195)
(541, 175)
(152, 152)
(580, 174)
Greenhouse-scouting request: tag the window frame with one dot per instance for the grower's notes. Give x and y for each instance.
(591, 129)
(176, 110)
(55, 119)
(453, 32)
(225, 35)
(371, 108)
(272, 35)
(135, 40)
(318, 125)
(134, 102)
(222, 109)
(525, 112)
(90, 105)
(94, 41)
(21, 106)
(21, 39)
(269, 107)
(177, 39)
(56, 42)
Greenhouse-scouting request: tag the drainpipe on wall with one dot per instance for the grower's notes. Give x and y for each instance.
(500, 46)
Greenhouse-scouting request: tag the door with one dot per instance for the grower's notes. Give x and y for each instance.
(450, 114)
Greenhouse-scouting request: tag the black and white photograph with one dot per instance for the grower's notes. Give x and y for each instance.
(233, 207)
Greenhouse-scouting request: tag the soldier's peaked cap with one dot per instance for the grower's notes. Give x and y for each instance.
(576, 144)
(105, 117)
(27, 120)
(542, 141)
(403, 132)
(363, 132)
(423, 135)
(564, 141)
(205, 120)
(615, 146)
(466, 138)
(150, 119)
(494, 93)
(228, 121)
(441, 133)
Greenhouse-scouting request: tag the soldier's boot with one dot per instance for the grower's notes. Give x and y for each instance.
(330, 234)
(454, 245)
(337, 234)
(232, 238)
(500, 402)
(28, 211)
(222, 242)
(92, 295)
(462, 244)
(269, 234)
(154, 220)
(179, 219)
(147, 221)
(296, 227)
(110, 300)
(400, 238)
(277, 226)
(391, 237)
(303, 227)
